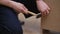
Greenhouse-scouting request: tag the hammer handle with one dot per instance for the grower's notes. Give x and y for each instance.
(32, 13)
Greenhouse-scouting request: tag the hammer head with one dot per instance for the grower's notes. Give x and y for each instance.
(38, 15)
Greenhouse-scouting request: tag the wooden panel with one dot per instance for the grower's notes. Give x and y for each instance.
(52, 21)
(32, 24)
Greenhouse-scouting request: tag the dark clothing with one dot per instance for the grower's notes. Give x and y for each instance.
(30, 4)
(9, 23)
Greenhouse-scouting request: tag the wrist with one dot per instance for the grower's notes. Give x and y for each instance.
(39, 0)
(7, 3)
(4, 2)
(11, 4)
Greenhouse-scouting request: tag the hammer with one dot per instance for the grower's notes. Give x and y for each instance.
(37, 15)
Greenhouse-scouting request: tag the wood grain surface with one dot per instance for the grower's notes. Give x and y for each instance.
(52, 21)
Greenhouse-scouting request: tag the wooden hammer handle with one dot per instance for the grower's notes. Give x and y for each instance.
(32, 13)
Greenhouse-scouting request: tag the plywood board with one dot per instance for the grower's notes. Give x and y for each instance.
(52, 21)
(32, 24)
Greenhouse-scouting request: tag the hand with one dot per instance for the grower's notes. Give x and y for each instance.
(43, 7)
(19, 7)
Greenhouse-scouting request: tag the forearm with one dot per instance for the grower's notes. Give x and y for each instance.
(5, 2)
(8, 3)
(39, 0)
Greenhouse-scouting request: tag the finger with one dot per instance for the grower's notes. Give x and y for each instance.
(48, 8)
(47, 11)
(25, 8)
(44, 13)
(22, 10)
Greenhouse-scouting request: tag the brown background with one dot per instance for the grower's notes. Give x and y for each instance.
(52, 21)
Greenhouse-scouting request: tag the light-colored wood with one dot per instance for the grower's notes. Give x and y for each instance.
(52, 21)
(32, 24)
(21, 15)
(32, 13)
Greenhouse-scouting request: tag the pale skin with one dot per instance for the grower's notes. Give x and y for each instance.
(43, 7)
(19, 7)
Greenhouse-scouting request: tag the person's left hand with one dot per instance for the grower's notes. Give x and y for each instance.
(43, 8)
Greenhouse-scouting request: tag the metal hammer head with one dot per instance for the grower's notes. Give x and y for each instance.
(38, 15)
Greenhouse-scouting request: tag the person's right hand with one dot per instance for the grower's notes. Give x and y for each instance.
(43, 8)
(19, 7)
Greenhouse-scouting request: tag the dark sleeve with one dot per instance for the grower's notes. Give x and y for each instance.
(30, 4)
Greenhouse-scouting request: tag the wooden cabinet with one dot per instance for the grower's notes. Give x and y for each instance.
(52, 21)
